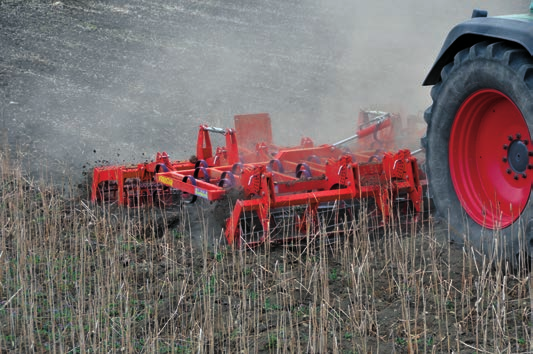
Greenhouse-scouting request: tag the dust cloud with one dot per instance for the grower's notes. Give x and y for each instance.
(115, 82)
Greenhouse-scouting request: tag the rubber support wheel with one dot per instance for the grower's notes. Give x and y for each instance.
(478, 147)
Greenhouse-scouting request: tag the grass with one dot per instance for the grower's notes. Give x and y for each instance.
(81, 278)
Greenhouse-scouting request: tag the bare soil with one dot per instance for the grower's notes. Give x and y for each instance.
(86, 82)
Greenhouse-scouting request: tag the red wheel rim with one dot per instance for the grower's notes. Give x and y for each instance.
(489, 159)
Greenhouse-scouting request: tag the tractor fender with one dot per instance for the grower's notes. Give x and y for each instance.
(517, 29)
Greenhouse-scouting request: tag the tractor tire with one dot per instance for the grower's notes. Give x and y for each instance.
(478, 148)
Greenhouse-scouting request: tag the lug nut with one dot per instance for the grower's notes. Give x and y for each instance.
(518, 136)
(504, 159)
(508, 171)
(516, 177)
(510, 137)
(526, 142)
(524, 175)
(505, 146)
(530, 153)
(529, 167)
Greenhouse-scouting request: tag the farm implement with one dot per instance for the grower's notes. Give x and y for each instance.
(278, 193)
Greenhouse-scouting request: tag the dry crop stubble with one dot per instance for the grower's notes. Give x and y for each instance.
(86, 278)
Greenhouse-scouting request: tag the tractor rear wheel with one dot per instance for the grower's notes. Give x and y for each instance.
(479, 150)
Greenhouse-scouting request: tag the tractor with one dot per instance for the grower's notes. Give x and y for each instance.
(479, 154)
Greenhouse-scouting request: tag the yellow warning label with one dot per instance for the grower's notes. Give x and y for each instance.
(165, 180)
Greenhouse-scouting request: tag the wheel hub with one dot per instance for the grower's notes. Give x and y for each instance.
(517, 155)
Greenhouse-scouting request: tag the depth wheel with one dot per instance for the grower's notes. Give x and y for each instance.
(478, 149)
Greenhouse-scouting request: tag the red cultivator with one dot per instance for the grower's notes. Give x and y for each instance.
(288, 189)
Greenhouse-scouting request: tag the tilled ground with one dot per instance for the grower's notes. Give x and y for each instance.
(127, 78)
(86, 81)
